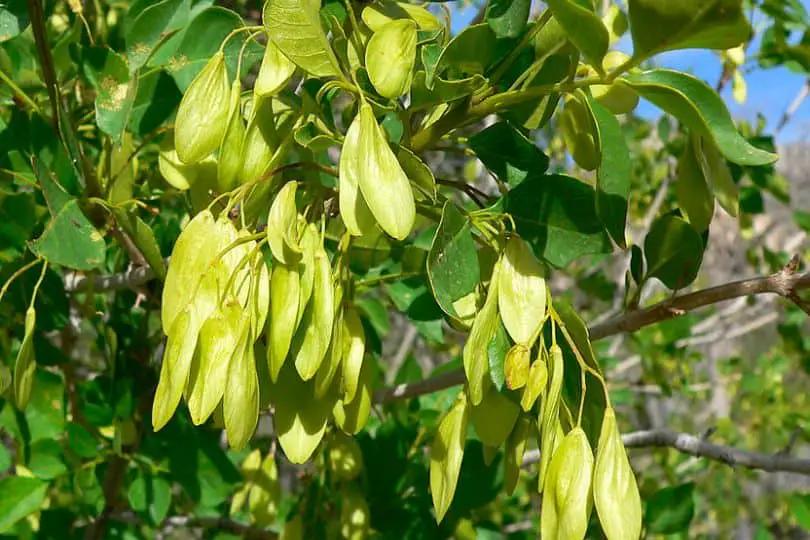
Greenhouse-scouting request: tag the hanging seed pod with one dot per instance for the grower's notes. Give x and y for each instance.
(180, 175)
(312, 338)
(549, 419)
(275, 72)
(261, 141)
(354, 210)
(522, 292)
(265, 493)
(25, 366)
(345, 457)
(494, 418)
(476, 359)
(300, 418)
(567, 503)
(446, 455)
(516, 367)
(282, 226)
(218, 339)
(383, 183)
(332, 364)
(202, 116)
(355, 517)
(536, 385)
(229, 160)
(310, 244)
(354, 349)
(390, 57)
(578, 131)
(284, 297)
(258, 300)
(489, 453)
(352, 417)
(515, 448)
(615, 492)
(240, 404)
(180, 347)
(192, 253)
(249, 467)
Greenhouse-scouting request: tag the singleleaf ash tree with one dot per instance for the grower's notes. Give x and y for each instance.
(211, 215)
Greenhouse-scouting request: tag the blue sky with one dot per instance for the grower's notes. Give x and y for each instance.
(769, 91)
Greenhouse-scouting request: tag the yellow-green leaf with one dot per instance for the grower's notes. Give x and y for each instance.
(265, 493)
(380, 13)
(295, 27)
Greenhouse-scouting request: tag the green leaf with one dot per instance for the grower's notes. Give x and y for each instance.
(17, 221)
(670, 510)
(508, 18)
(452, 263)
(699, 107)
(21, 497)
(508, 153)
(5, 455)
(155, 102)
(689, 24)
(471, 52)
(554, 213)
(673, 251)
(70, 240)
(583, 27)
(144, 239)
(115, 90)
(81, 441)
(614, 173)
(187, 52)
(151, 26)
(295, 28)
(13, 18)
(150, 496)
(46, 459)
(800, 508)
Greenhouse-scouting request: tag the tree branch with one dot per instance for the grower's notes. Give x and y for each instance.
(700, 447)
(786, 283)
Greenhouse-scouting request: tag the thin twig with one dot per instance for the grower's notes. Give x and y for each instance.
(700, 447)
(793, 107)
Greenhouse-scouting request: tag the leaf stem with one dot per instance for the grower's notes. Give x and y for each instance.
(25, 98)
(17, 274)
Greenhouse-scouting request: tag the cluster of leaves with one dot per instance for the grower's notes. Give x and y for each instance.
(129, 126)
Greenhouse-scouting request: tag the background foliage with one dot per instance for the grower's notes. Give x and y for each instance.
(88, 101)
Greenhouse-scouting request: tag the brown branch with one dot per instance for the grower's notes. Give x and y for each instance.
(700, 447)
(786, 283)
(194, 522)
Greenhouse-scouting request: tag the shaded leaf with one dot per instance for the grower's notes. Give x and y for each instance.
(548, 212)
(670, 510)
(673, 251)
(508, 153)
(508, 18)
(71, 240)
(452, 263)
